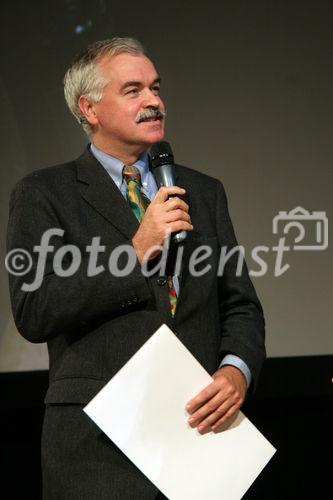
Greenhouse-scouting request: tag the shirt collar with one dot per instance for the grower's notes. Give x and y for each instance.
(114, 166)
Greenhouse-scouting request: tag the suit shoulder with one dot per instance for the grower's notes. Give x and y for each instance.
(44, 181)
(48, 178)
(49, 175)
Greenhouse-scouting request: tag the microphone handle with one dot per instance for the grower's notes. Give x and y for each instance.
(164, 176)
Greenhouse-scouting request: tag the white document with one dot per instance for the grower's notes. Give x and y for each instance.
(142, 409)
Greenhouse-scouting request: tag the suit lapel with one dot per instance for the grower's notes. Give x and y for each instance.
(100, 191)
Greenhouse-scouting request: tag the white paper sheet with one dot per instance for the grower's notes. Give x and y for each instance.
(142, 409)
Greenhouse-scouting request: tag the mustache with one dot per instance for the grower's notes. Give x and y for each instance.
(148, 113)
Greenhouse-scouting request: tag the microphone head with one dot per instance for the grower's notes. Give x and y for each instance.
(161, 154)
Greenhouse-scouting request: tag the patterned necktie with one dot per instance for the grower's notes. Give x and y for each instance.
(136, 199)
(139, 203)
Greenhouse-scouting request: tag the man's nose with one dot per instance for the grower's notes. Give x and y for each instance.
(151, 99)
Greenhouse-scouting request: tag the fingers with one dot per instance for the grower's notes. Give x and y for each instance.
(175, 203)
(177, 214)
(215, 414)
(164, 215)
(170, 214)
(205, 395)
(218, 425)
(205, 410)
(179, 225)
(168, 221)
(215, 405)
(165, 192)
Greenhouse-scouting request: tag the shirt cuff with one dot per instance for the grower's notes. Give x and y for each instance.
(231, 359)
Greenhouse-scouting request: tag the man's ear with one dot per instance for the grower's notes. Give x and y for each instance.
(88, 109)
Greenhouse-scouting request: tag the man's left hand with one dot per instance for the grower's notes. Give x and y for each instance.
(219, 401)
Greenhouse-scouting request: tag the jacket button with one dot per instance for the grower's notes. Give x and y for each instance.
(161, 280)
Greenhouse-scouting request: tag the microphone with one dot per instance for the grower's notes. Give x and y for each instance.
(164, 172)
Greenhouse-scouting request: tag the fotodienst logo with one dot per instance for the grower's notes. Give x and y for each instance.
(307, 231)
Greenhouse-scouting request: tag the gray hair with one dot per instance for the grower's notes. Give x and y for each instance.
(84, 78)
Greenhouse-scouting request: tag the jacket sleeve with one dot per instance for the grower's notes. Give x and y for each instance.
(61, 304)
(241, 315)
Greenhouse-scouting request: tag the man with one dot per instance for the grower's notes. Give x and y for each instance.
(94, 322)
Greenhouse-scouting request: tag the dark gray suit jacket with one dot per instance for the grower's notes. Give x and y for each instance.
(94, 325)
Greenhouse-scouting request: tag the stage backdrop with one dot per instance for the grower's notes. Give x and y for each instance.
(248, 89)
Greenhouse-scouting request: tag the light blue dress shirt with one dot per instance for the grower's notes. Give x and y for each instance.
(114, 168)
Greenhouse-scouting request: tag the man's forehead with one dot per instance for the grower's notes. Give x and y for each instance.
(127, 66)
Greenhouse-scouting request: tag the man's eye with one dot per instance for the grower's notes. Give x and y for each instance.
(156, 90)
(133, 91)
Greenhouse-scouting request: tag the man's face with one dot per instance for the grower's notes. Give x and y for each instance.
(133, 88)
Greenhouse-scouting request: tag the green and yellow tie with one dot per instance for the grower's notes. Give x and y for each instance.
(139, 203)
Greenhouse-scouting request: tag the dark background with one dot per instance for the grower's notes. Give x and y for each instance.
(248, 88)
